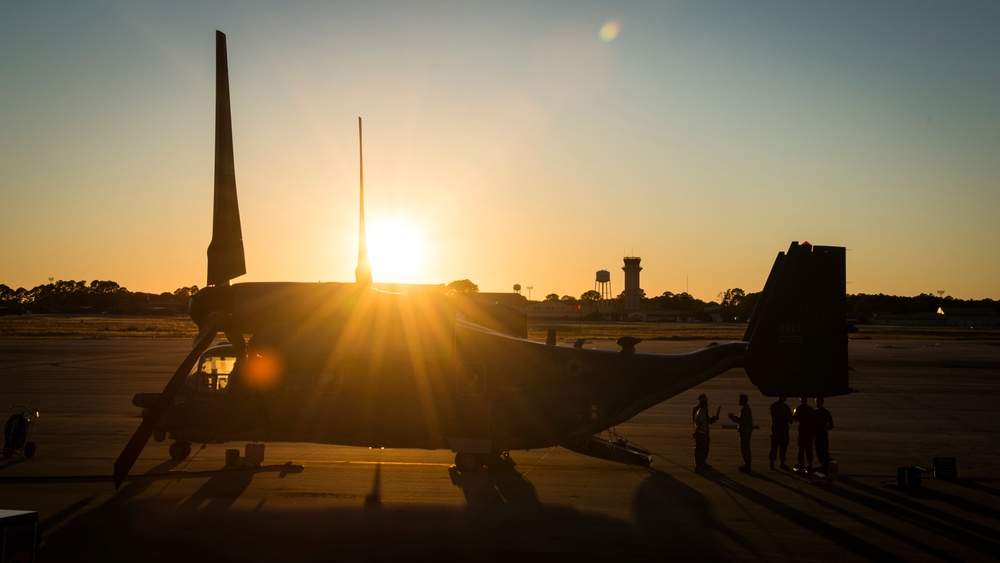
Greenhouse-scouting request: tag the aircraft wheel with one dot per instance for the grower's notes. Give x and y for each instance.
(468, 462)
(159, 435)
(180, 450)
(29, 450)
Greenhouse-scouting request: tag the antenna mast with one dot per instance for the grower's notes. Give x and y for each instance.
(363, 273)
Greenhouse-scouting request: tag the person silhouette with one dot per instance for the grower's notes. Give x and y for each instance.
(803, 414)
(781, 418)
(744, 425)
(822, 425)
(701, 421)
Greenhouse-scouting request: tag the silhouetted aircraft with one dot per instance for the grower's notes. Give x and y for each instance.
(349, 364)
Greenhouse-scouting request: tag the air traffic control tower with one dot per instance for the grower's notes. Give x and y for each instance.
(632, 292)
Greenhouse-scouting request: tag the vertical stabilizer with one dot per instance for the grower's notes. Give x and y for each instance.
(225, 253)
(798, 332)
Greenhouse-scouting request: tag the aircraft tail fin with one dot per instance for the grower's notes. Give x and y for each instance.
(797, 336)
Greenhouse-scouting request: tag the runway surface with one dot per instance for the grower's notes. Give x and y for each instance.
(916, 400)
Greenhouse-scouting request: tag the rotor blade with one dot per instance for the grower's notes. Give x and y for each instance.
(134, 447)
(363, 273)
(226, 259)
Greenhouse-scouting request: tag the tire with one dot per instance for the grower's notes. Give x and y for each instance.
(180, 450)
(15, 433)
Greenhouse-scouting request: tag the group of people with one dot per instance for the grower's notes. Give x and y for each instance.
(814, 426)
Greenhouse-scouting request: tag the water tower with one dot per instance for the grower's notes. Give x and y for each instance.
(602, 285)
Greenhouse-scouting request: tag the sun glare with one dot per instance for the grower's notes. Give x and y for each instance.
(397, 249)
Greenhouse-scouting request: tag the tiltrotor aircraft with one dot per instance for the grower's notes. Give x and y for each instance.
(349, 364)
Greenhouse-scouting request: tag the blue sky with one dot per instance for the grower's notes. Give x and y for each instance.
(507, 142)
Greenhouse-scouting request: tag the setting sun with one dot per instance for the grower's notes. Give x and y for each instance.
(397, 249)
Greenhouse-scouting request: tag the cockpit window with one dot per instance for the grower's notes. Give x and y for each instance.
(222, 365)
(214, 372)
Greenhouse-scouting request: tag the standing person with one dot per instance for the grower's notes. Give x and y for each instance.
(822, 425)
(744, 425)
(803, 414)
(781, 418)
(701, 420)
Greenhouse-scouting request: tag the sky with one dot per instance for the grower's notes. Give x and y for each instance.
(529, 143)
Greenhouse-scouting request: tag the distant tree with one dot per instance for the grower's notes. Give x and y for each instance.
(552, 297)
(861, 308)
(731, 301)
(677, 302)
(748, 305)
(186, 292)
(731, 297)
(107, 296)
(642, 294)
(590, 296)
(568, 299)
(461, 287)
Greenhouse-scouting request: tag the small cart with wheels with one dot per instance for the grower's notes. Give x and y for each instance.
(17, 431)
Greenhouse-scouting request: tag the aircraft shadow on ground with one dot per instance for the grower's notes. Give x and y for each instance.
(503, 518)
(912, 508)
(915, 521)
(798, 519)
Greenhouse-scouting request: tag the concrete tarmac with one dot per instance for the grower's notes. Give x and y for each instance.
(916, 400)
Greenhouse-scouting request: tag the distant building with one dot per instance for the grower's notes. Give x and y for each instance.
(945, 316)
(970, 317)
(512, 300)
(553, 309)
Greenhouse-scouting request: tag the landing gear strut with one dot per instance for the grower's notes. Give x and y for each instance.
(180, 450)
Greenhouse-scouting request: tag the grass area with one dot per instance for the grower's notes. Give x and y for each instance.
(97, 326)
(124, 326)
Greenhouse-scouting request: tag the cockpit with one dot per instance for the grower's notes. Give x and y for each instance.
(214, 368)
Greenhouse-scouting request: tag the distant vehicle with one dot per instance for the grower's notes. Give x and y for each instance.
(349, 364)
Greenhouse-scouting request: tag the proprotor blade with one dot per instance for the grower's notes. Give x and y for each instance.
(138, 441)
(363, 273)
(225, 253)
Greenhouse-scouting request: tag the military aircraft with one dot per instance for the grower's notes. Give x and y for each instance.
(352, 364)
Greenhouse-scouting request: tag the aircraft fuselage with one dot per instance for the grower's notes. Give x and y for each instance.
(389, 370)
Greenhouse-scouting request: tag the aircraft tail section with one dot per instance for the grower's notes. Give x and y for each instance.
(797, 336)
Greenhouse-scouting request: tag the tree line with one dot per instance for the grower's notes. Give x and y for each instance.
(100, 296)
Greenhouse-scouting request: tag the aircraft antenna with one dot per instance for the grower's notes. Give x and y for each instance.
(363, 273)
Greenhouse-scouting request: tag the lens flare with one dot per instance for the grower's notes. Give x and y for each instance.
(263, 370)
(610, 30)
